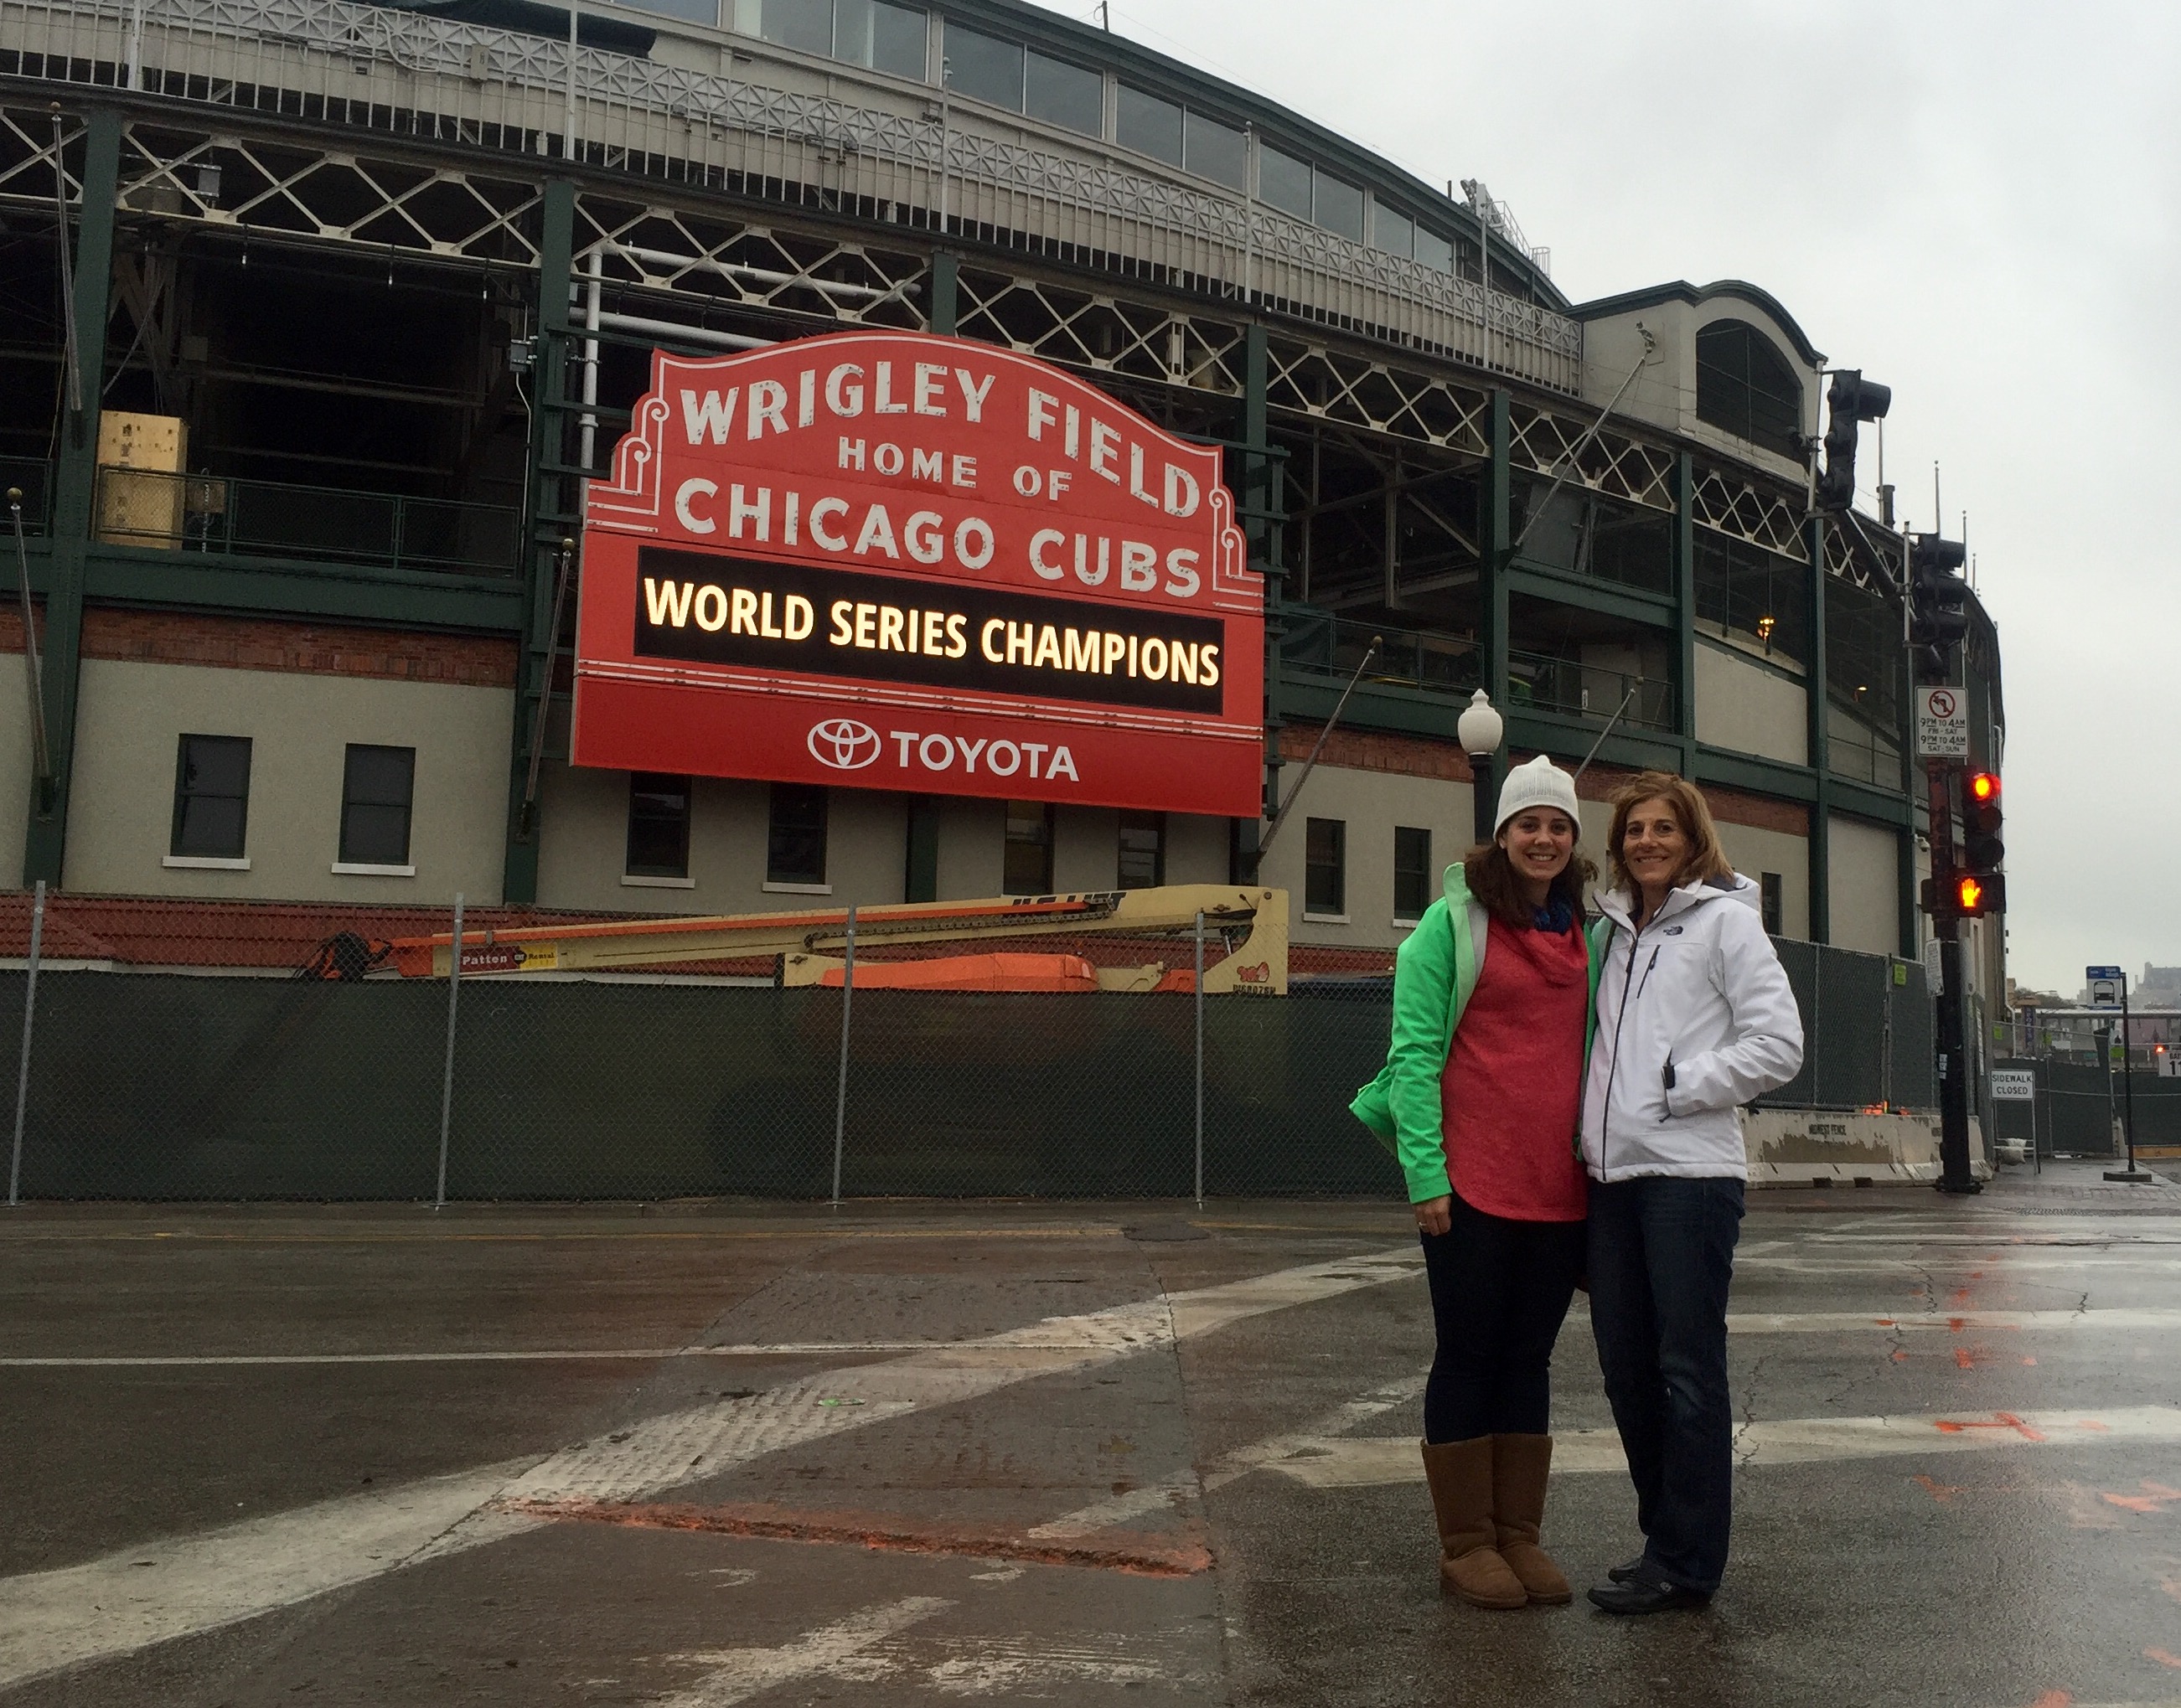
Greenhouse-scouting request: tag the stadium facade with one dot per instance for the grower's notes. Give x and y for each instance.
(321, 312)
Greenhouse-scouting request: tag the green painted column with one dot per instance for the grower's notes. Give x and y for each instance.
(1496, 531)
(549, 521)
(1910, 948)
(1255, 503)
(1685, 609)
(1815, 702)
(76, 493)
(944, 284)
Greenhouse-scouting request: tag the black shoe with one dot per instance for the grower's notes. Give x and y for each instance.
(1626, 1569)
(1640, 1596)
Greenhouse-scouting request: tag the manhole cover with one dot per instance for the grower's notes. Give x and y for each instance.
(1165, 1230)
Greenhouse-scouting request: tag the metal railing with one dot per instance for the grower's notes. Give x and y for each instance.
(886, 151)
(35, 480)
(209, 513)
(1333, 647)
(1569, 686)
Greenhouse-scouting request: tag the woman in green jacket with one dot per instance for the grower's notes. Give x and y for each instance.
(1492, 995)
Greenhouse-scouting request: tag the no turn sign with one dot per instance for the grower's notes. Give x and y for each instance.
(1942, 723)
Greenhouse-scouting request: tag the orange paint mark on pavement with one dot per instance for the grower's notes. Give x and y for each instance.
(2134, 1503)
(1900, 1357)
(1998, 1420)
(2032, 1361)
(1964, 1358)
(2172, 1586)
(2053, 1698)
(2163, 1658)
(1940, 1492)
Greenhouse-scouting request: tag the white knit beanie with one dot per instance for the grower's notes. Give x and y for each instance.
(1540, 783)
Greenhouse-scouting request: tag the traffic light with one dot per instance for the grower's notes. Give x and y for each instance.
(1981, 849)
(1849, 398)
(1975, 894)
(1938, 604)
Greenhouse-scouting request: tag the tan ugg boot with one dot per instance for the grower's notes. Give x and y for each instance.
(1520, 1464)
(1460, 1473)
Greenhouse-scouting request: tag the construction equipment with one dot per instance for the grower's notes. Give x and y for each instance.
(1247, 928)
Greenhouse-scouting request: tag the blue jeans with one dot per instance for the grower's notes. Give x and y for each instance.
(1661, 1259)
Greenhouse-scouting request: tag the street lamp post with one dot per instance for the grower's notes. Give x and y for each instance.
(1480, 732)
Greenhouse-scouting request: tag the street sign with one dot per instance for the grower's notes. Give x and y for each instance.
(2013, 1085)
(2106, 984)
(1942, 723)
(2113, 972)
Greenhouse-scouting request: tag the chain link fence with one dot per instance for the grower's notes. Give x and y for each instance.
(277, 1054)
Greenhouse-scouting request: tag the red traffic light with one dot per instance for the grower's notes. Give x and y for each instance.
(1983, 788)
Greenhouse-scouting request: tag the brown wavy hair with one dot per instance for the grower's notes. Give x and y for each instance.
(1706, 858)
(1491, 878)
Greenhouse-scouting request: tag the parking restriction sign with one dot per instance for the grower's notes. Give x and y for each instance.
(1942, 723)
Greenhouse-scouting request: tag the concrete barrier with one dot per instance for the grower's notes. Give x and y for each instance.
(1819, 1146)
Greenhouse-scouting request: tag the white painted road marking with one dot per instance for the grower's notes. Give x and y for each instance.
(173, 1588)
(244, 1570)
(1352, 1461)
(738, 1674)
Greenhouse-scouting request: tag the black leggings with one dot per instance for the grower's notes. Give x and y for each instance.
(1499, 1290)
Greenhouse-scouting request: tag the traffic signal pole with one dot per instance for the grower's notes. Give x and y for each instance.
(1955, 1172)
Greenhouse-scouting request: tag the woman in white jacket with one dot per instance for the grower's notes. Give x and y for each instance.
(1695, 1017)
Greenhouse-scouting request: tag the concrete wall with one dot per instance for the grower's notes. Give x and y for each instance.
(1755, 852)
(1742, 706)
(130, 717)
(14, 763)
(1866, 886)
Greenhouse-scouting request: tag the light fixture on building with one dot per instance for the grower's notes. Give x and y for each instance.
(1480, 731)
(1766, 625)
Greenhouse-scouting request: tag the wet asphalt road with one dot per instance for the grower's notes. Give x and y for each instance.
(1076, 1454)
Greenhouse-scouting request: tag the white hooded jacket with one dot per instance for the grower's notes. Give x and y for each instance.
(1695, 1017)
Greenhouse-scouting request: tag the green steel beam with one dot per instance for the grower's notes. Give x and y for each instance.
(548, 520)
(946, 272)
(1628, 603)
(298, 588)
(1814, 702)
(1685, 607)
(1495, 526)
(1761, 776)
(76, 482)
(1882, 806)
(1261, 545)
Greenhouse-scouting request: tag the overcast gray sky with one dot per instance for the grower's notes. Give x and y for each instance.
(1975, 204)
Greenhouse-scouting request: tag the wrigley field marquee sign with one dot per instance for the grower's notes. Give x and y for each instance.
(896, 561)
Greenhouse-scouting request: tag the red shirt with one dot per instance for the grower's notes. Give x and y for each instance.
(1508, 1095)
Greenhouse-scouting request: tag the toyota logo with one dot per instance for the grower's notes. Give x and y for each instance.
(843, 744)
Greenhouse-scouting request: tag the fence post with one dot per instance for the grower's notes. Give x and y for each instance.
(447, 1081)
(841, 1091)
(1199, 988)
(23, 1066)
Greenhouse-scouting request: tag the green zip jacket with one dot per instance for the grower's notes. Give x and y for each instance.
(1434, 971)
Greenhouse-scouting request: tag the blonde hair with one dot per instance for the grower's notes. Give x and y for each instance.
(1705, 858)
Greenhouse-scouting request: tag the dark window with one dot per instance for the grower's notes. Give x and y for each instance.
(886, 38)
(696, 11)
(211, 797)
(795, 834)
(1745, 388)
(1026, 866)
(1148, 124)
(1434, 250)
(1215, 151)
(984, 66)
(807, 24)
(658, 825)
(1412, 875)
(1749, 593)
(1143, 849)
(1284, 181)
(1768, 882)
(1064, 94)
(1325, 867)
(1339, 207)
(377, 786)
(1392, 230)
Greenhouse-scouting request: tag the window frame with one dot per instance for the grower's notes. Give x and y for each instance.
(1158, 824)
(948, 70)
(630, 867)
(797, 880)
(1420, 873)
(1772, 903)
(1728, 400)
(352, 856)
(1042, 815)
(184, 795)
(1314, 904)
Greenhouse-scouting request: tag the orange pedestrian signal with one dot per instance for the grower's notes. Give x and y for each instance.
(1976, 894)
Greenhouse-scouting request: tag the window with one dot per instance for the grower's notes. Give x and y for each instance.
(212, 797)
(1434, 250)
(1064, 94)
(1325, 868)
(984, 66)
(1215, 151)
(1339, 207)
(1143, 851)
(378, 787)
(1745, 388)
(1026, 864)
(1768, 883)
(805, 24)
(696, 11)
(795, 834)
(1392, 230)
(1284, 181)
(1413, 876)
(658, 825)
(1148, 124)
(1753, 596)
(886, 38)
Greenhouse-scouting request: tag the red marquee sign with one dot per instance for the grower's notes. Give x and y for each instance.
(895, 561)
